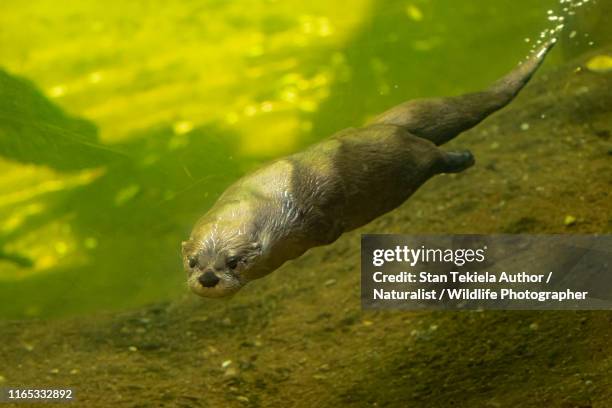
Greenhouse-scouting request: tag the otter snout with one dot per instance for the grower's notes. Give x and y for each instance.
(208, 279)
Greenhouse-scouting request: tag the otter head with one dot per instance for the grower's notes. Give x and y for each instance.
(221, 256)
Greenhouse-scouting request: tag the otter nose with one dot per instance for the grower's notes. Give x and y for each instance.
(208, 279)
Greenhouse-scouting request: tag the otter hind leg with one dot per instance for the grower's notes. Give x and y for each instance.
(441, 119)
(456, 162)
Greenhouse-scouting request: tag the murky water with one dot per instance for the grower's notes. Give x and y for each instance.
(120, 123)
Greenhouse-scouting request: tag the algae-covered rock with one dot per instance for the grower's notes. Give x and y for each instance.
(35, 130)
(600, 63)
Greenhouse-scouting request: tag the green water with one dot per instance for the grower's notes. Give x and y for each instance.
(121, 122)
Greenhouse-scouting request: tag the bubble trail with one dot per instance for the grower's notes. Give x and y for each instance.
(568, 8)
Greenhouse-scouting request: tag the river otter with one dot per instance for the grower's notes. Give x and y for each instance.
(310, 198)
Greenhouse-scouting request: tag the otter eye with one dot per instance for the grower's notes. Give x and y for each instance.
(192, 262)
(232, 262)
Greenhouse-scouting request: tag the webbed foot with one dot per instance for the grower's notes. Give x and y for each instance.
(455, 162)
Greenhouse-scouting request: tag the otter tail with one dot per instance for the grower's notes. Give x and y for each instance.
(441, 119)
